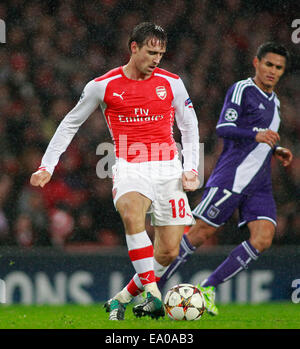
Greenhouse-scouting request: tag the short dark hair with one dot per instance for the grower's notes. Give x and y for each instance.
(145, 31)
(273, 47)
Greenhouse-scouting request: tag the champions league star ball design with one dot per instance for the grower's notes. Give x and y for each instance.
(231, 115)
(184, 302)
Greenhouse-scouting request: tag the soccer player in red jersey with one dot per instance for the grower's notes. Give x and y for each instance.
(140, 103)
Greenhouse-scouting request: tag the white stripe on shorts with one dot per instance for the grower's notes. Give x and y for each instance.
(202, 206)
(267, 219)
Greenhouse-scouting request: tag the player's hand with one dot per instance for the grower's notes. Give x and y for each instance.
(40, 178)
(270, 137)
(284, 155)
(190, 181)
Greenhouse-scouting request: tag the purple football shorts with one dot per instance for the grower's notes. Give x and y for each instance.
(219, 204)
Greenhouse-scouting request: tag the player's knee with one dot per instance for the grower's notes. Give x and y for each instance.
(172, 254)
(133, 223)
(266, 244)
(264, 241)
(167, 256)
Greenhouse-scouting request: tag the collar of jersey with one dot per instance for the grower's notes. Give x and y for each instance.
(261, 91)
(124, 76)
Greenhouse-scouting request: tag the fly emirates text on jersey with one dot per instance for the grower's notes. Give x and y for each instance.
(140, 115)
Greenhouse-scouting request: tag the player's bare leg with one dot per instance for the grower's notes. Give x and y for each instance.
(261, 234)
(194, 238)
(166, 243)
(133, 207)
(200, 232)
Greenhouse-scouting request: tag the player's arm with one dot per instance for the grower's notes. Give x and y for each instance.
(229, 122)
(188, 125)
(235, 132)
(64, 134)
(269, 137)
(228, 125)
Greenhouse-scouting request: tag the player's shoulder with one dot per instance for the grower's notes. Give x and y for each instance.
(113, 73)
(166, 74)
(97, 86)
(239, 89)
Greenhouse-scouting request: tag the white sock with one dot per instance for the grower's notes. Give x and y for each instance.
(159, 269)
(124, 296)
(140, 250)
(153, 289)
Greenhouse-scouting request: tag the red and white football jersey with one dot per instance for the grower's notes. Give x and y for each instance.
(140, 115)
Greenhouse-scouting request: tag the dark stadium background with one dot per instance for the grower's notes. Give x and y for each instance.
(53, 48)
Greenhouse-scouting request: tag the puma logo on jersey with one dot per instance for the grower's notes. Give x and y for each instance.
(146, 278)
(115, 94)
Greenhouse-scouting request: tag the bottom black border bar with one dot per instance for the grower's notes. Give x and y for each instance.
(138, 338)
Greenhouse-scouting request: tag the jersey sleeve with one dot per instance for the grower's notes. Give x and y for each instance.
(228, 125)
(69, 126)
(187, 123)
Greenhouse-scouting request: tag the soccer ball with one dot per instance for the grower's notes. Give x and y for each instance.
(184, 302)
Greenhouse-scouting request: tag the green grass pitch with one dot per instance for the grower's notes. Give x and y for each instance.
(232, 316)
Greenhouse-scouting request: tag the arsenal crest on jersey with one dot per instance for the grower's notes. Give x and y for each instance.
(161, 92)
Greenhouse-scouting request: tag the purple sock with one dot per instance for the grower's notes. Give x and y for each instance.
(237, 261)
(185, 250)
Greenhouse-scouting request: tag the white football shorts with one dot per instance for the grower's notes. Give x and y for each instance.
(161, 182)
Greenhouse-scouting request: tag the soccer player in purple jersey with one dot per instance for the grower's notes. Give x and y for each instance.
(241, 179)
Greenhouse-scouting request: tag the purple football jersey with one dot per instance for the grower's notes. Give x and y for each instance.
(244, 165)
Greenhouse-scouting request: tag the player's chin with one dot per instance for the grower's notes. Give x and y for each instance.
(188, 189)
(269, 83)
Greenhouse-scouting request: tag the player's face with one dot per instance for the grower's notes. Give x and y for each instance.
(148, 56)
(269, 70)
